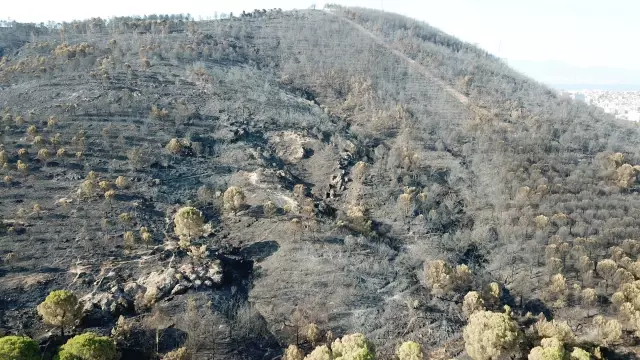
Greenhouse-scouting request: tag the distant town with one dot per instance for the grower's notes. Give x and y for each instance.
(623, 104)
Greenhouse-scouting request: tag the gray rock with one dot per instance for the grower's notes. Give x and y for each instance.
(159, 284)
(97, 306)
(179, 289)
(131, 289)
(192, 276)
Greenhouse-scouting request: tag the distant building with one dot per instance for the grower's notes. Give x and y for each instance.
(633, 116)
(623, 105)
(565, 94)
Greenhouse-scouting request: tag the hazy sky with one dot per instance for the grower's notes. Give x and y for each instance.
(536, 36)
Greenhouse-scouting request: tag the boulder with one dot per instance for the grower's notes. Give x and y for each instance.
(132, 289)
(159, 284)
(103, 306)
(289, 146)
(179, 289)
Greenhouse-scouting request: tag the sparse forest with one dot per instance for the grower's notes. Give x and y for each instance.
(320, 184)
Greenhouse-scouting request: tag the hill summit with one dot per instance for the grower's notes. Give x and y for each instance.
(344, 180)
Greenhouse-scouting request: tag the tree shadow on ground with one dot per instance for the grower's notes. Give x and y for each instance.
(260, 250)
(536, 306)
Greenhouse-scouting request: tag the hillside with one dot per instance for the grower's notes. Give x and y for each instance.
(349, 168)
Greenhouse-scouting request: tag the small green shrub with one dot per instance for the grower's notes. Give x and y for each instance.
(174, 146)
(19, 348)
(293, 353)
(490, 335)
(189, 223)
(122, 182)
(410, 350)
(233, 199)
(88, 346)
(270, 209)
(60, 309)
(177, 354)
(353, 347)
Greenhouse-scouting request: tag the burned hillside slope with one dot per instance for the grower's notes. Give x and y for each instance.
(329, 178)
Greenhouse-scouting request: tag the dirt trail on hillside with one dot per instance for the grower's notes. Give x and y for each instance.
(417, 66)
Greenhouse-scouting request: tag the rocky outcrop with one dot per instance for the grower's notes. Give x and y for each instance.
(99, 306)
(289, 146)
(209, 274)
(161, 284)
(158, 284)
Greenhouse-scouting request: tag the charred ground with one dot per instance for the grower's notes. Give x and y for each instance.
(411, 146)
